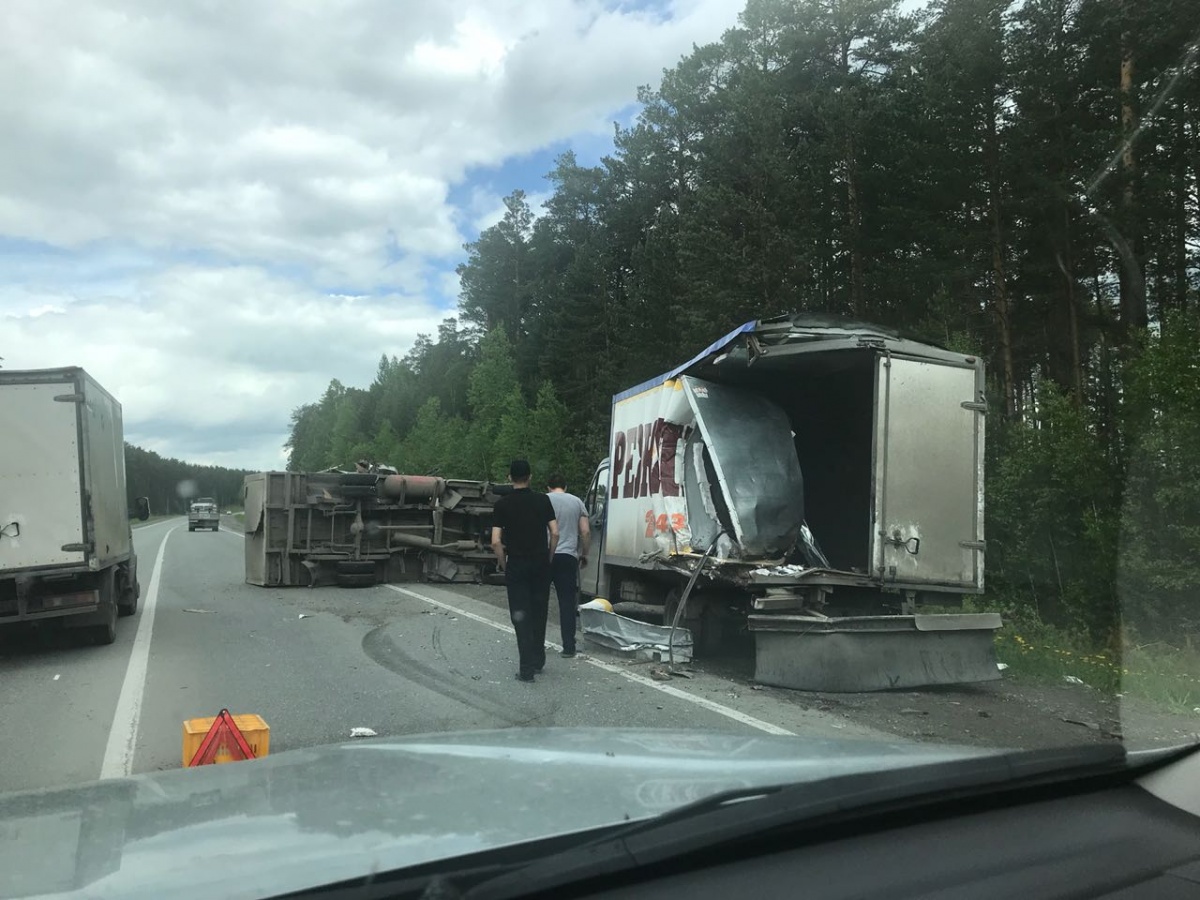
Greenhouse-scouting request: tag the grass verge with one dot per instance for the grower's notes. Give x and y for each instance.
(1168, 676)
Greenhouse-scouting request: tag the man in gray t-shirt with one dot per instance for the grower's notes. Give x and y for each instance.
(574, 541)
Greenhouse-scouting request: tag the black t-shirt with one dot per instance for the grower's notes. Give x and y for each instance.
(523, 516)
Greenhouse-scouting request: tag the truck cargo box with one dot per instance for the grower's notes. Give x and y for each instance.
(62, 473)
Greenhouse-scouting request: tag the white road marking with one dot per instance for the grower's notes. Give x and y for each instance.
(118, 755)
(670, 690)
(231, 531)
(142, 525)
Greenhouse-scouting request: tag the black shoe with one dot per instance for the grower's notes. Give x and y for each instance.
(567, 654)
(521, 677)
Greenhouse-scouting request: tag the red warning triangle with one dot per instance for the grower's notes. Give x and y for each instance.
(224, 734)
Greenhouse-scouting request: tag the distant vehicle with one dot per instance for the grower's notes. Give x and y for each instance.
(204, 514)
(66, 545)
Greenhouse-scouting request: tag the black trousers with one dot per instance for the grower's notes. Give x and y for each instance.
(564, 571)
(527, 579)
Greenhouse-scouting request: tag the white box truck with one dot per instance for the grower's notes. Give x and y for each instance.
(826, 478)
(66, 544)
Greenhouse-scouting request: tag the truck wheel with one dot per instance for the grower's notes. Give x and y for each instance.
(106, 632)
(191, 528)
(217, 527)
(127, 605)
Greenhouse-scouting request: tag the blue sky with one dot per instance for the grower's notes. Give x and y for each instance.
(215, 220)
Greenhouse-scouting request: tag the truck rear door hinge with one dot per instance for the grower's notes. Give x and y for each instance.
(76, 548)
(68, 398)
(972, 404)
(973, 545)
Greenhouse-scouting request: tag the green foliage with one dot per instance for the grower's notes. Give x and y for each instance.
(1051, 508)
(437, 444)
(1159, 579)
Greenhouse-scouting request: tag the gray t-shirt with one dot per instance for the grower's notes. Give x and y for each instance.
(567, 509)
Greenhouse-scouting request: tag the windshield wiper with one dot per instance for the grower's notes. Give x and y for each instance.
(739, 815)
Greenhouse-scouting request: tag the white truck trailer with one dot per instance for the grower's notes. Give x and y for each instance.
(66, 544)
(827, 479)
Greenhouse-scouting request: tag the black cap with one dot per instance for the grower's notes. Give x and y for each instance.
(518, 470)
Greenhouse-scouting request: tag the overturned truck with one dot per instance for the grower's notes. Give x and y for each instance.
(814, 486)
(358, 529)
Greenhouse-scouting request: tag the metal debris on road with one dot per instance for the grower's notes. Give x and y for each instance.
(202, 611)
(305, 616)
(363, 732)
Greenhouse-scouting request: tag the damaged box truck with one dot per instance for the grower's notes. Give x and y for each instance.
(827, 479)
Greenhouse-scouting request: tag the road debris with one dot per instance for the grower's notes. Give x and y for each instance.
(1094, 726)
(1071, 679)
(201, 611)
(305, 616)
(56, 677)
(363, 732)
(1001, 666)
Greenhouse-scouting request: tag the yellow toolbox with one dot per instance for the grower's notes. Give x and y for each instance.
(253, 729)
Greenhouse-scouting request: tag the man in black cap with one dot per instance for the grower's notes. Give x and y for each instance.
(521, 522)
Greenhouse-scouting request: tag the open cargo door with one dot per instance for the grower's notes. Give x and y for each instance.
(41, 492)
(928, 419)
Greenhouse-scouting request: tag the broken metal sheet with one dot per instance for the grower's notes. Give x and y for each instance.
(752, 455)
(779, 571)
(631, 636)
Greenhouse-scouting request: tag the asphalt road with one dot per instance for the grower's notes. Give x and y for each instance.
(315, 664)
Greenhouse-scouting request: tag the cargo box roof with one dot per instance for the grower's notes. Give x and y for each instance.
(780, 342)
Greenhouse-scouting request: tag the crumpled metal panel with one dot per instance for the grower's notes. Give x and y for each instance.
(630, 636)
(752, 454)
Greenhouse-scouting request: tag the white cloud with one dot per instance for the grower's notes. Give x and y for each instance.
(283, 150)
(213, 360)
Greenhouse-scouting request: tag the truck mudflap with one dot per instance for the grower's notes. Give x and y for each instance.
(874, 653)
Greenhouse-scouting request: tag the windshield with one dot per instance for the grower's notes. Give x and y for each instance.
(791, 369)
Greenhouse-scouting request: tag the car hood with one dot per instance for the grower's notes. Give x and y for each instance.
(304, 818)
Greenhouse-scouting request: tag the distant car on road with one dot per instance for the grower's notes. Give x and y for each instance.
(203, 514)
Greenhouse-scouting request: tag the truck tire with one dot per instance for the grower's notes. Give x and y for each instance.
(356, 567)
(191, 528)
(127, 603)
(106, 632)
(217, 527)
